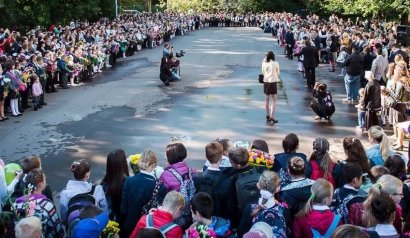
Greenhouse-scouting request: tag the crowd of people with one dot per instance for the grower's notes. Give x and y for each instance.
(67, 55)
(368, 55)
(240, 192)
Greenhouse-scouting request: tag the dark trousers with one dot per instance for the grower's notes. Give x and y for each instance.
(371, 119)
(43, 82)
(289, 51)
(310, 76)
(50, 82)
(24, 98)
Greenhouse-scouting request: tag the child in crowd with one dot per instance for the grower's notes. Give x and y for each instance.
(290, 144)
(377, 171)
(347, 195)
(268, 209)
(164, 216)
(316, 217)
(36, 91)
(382, 209)
(380, 149)
(320, 161)
(361, 112)
(224, 164)
(297, 192)
(202, 214)
(217, 184)
(341, 60)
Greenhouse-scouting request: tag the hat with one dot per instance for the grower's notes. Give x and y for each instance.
(260, 230)
(91, 227)
(321, 144)
(368, 75)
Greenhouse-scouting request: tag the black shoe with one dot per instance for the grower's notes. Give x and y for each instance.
(28, 106)
(15, 115)
(39, 106)
(273, 120)
(268, 118)
(43, 103)
(21, 111)
(5, 118)
(48, 91)
(54, 91)
(35, 108)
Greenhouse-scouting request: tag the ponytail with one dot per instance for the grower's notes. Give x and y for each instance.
(378, 134)
(385, 146)
(320, 190)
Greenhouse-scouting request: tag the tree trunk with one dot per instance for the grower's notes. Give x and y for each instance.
(404, 20)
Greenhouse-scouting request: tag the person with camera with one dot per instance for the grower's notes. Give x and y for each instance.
(323, 106)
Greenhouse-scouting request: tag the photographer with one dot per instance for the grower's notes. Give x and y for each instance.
(323, 106)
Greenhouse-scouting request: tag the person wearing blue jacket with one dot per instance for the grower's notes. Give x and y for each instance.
(64, 71)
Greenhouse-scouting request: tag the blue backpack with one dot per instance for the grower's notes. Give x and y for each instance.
(330, 230)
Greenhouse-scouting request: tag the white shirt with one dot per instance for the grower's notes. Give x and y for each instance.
(270, 71)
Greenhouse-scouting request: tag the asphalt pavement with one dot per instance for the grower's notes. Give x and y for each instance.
(218, 97)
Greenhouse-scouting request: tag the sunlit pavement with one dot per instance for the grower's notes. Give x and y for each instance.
(219, 97)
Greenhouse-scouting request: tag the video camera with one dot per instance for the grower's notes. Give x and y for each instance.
(180, 54)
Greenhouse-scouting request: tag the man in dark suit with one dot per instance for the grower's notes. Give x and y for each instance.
(310, 62)
(290, 42)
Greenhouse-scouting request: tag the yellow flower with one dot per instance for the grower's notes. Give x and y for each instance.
(135, 158)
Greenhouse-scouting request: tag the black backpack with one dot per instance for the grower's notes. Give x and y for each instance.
(246, 189)
(328, 104)
(76, 204)
(212, 188)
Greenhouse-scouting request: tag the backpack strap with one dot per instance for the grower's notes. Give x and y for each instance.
(92, 190)
(333, 225)
(167, 227)
(176, 174)
(149, 221)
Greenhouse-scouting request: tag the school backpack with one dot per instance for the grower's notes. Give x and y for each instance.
(329, 106)
(154, 202)
(343, 207)
(76, 204)
(207, 185)
(318, 173)
(187, 189)
(149, 223)
(246, 189)
(330, 230)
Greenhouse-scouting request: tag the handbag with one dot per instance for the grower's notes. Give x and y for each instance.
(260, 78)
(391, 101)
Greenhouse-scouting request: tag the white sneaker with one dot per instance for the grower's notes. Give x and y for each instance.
(346, 100)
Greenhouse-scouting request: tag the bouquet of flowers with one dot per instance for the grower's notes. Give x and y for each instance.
(260, 158)
(201, 231)
(111, 230)
(133, 160)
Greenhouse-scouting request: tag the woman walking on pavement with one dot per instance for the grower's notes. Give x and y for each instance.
(270, 71)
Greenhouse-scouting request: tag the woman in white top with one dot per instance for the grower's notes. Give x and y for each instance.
(270, 71)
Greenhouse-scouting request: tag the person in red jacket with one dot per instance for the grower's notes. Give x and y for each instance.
(317, 217)
(163, 216)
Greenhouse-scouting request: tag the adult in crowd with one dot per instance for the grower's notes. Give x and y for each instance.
(113, 181)
(371, 101)
(323, 106)
(139, 192)
(397, 87)
(354, 70)
(270, 71)
(290, 42)
(379, 67)
(310, 62)
(81, 170)
(165, 72)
